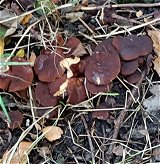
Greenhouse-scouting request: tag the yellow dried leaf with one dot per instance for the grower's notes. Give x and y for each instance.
(20, 155)
(26, 19)
(139, 13)
(20, 53)
(67, 62)
(155, 36)
(62, 88)
(1, 46)
(52, 133)
(32, 58)
(157, 65)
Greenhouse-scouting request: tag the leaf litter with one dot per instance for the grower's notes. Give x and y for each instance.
(79, 58)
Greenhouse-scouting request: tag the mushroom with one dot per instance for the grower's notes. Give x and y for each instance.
(4, 81)
(21, 76)
(76, 91)
(79, 68)
(47, 65)
(133, 46)
(43, 95)
(56, 88)
(129, 67)
(134, 78)
(104, 65)
(95, 89)
(75, 46)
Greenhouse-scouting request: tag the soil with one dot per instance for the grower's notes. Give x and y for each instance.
(87, 137)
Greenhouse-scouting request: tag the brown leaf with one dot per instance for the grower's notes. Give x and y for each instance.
(26, 19)
(155, 36)
(101, 115)
(20, 155)
(157, 65)
(52, 133)
(156, 154)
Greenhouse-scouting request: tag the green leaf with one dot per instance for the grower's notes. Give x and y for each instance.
(3, 30)
(4, 109)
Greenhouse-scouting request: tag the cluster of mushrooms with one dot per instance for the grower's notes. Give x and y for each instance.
(71, 73)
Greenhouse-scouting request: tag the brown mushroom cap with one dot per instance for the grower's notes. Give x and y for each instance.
(47, 65)
(134, 78)
(43, 95)
(4, 82)
(75, 46)
(22, 76)
(140, 60)
(129, 67)
(76, 91)
(79, 68)
(55, 85)
(104, 65)
(94, 89)
(133, 46)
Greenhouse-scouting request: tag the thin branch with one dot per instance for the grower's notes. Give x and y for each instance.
(121, 5)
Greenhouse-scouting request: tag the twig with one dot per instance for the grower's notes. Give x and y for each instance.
(123, 113)
(89, 138)
(130, 29)
(121, 5)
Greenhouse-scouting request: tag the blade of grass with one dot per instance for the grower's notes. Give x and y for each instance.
(4, 109)
(16, 63)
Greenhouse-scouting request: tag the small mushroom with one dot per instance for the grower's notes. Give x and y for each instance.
(104, 65)
(75, 46)
(129, 67)
(54, 87)
(4, 82)
(95, 89)
(134, 78)
(43, 95)
(133, 46)
(79, 68)
(47, 65)
(140, 60)
(76, 91)
(21, 76)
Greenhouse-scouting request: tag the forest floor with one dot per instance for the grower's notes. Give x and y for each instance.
(79, 82)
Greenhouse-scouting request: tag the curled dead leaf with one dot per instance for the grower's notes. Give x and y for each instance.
(157, 65)
(20, 156)
(52, 133)
(67, 62)
(155, 36)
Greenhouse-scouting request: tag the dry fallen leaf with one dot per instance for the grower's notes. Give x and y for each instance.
(67, 62)
(52, 133)
(74, 16)
(26, 19)
(62, 89)
(20, 156)
(1, 46)
(118, 150)
(157, 65)
(156, 154)
(139, 13)
(32, 58)
(152, 104)
(20, 53)
(10, 25)
(155, 36)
